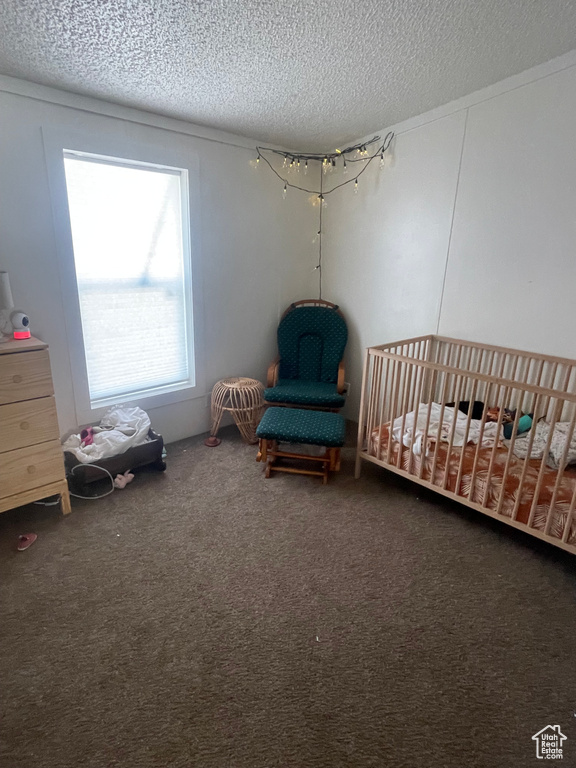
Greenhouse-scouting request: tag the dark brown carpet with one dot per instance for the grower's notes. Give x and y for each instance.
(212, 618)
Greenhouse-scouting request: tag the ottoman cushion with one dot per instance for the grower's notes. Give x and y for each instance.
(296, 425)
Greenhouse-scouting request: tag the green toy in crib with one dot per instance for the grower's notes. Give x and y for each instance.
(524, 424)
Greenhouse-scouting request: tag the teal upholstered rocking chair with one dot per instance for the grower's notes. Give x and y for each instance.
(309, 372)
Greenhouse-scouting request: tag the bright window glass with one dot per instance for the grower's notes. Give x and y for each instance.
(131, 252)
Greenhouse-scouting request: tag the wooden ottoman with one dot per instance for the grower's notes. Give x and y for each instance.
(296, 425)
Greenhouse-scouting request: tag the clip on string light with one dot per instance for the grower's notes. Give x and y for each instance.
(363, 153)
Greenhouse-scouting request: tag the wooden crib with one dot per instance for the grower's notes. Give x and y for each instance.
(449, 415)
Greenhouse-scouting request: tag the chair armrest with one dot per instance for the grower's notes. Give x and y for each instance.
(272, 376)
(340, 383)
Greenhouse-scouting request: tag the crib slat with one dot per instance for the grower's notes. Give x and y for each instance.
(532, 434)
(383, 404)
(510, 453)
(395, 384)
(495, 447)
(439, 431)
(457, 399)
(373, 385)
(543, 463)
(361, 419)
(569, 517)
(416, 409)
(560, 473)
(466, 434)
(403, 408)
(479, 443)
(426, 427)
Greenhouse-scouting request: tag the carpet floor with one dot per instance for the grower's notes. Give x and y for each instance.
(208, 617)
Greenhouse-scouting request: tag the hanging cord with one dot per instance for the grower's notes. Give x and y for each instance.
(102, 469)
(320, 238)
(48, 503)
(76, 496)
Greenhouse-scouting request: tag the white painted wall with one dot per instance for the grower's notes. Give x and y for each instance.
(472, 232)
(256, 248)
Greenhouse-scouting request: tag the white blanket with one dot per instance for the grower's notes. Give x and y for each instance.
(123, 426)
(556, 457)
(415, 424)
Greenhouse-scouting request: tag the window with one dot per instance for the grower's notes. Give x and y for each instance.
(130, 240)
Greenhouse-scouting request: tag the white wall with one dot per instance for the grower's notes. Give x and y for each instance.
(256, 248)
(472, 232)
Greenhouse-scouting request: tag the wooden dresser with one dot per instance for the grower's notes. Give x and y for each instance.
(31, 457)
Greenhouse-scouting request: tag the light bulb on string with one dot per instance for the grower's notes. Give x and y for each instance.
(356, 187)
(305, 167)
(255, 162)
(382, 161)
(284, 191)
(345, 170)
(315, 238)
(285, 163)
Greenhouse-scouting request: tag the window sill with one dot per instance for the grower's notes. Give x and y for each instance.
(145, 400)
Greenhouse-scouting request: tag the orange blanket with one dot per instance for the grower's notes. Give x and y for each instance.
(489, 489)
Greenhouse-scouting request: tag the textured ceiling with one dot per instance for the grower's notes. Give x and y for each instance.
(299, 73)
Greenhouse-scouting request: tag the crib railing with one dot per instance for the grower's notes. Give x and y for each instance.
(399, 377)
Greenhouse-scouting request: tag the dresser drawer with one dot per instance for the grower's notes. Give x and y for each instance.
(24, 375)
(30, 467)
(27, 423)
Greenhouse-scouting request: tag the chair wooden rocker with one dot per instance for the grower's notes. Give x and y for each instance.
(309, 371)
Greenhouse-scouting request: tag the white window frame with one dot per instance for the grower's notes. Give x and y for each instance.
(119, 149)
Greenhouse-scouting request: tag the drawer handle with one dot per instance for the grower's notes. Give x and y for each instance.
(17, 379)
(25, 425)
(31, 469)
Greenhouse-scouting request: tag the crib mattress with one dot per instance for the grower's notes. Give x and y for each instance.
(486, 489)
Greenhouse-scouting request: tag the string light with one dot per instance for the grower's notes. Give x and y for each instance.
(359, 153)
(328, 160)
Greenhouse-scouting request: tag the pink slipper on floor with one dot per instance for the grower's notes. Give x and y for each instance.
(121, 481)
(25, 540)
